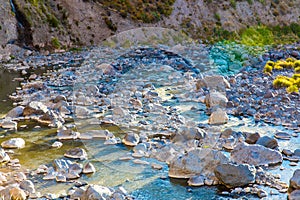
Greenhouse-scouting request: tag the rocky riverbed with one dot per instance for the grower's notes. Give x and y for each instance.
(139, 119)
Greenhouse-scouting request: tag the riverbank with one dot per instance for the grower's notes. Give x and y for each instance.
(148, 112)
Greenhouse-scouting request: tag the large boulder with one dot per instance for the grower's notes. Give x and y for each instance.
(255, 155)
(295, 181)
(235, 175)
(218, 117)
(295, 195)
(196, 161)
(215, 99)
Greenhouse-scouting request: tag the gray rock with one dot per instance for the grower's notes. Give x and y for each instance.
(77, 153)
(197, 181)
(15, 112)
(218, 117)
(28, 186)
(268, 142)
(196, 161)
(131, 139)
(261, 193)
(13, 143)
(283, 135)
(4, 157)
(218, 83)
(216, 99)
(295, 181)
(62, 165)
(9, 124)
(67, 134)
(235, 175)
(35, 108)
(75, 168)
(97, 192)
(295, 195)
(255, 155)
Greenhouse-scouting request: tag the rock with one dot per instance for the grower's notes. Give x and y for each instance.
(268, 142)
(77, 153)
(67, 134)
(287, 152)
(88, 168)
(297, 152)
(35, 108)
(251, 138)
(235, 175)
(61, 178)
(97, 192)
(28, 186)
(295, 195)
(261, 193)
(131, 139)
(101, 134)
(57, 144)
(196, 161)
(4, 157)
(59, 98)
(218, 117)
(9, 124)
(196, 181)
(106, 69)
(15, 112)
(282, 135)
(62, 165)
(13, 143)
(216, 99)
(156, 166)
(75, 168)
(295, 181)
(216, 82)
(17, 194)
(255, 155)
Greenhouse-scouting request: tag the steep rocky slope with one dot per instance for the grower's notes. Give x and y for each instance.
(63, 23)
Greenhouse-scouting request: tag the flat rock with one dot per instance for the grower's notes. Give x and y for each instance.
(255, 155)
(282, 135)
(196, 161)
(13, 143)
(77, 153)
(235, 175)
(9, 124)
(67, 134)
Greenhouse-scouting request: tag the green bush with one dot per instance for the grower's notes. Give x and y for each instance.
(55, 43)
(257, 36)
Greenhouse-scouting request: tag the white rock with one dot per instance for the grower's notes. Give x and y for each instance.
(13, 143)
(218, 117)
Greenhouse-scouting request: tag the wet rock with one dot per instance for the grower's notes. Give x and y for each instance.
(268, 142)
(75, 168)
(77, 153)
(235, 175)
(101, 134)
(13, 143)
(295, 195)
(28, 186)
(216, 99)
(295, 181)
(61, 178)
(35, 108)
(88, 168)
(196, 181)
(62, 165)
(287, 152)
(67, 134)
(96, 192)
(156, 166)
(196, 161)
(9, 124)
(255, 155)
(56, 144)
(218, 117)
(131, 139)
(251, 138)
(4, 157)
(15, 112)
(282, 135)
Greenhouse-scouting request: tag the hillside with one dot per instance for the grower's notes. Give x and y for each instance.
(48, 24)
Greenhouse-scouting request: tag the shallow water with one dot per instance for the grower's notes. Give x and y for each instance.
(141, 181)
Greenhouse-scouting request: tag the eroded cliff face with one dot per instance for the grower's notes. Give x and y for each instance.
(64, 23)
(8, 24)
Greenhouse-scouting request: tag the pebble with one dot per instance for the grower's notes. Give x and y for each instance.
(293, 164)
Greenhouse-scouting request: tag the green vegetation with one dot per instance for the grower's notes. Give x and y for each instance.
(55, 43)
(257, 36)
(292, 84)
(147, 11)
